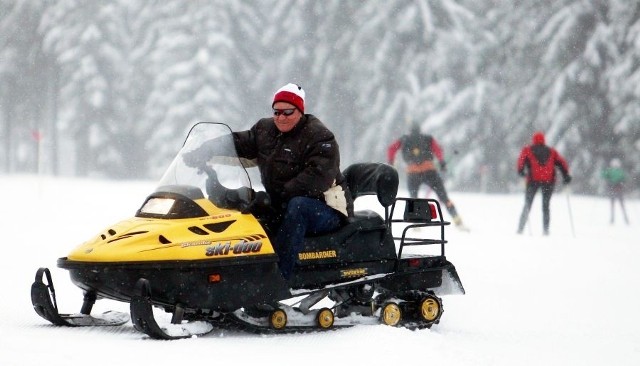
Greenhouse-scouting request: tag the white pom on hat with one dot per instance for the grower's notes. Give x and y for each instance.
(292, 94)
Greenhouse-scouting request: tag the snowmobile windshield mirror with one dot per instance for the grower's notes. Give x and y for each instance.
(214, 142)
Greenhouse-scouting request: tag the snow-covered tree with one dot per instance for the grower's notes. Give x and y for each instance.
(418, 63)
(102, 65)
(128, 79)
(24, 86)
(571, 94)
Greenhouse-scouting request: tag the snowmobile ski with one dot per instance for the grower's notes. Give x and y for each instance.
(144, 320)
(43, 298)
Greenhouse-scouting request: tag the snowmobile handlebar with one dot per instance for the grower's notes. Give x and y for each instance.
(260, 198)
(243, 199)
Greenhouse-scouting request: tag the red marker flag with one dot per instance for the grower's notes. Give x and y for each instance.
(36, 135)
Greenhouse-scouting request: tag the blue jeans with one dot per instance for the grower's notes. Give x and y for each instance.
(304, 216)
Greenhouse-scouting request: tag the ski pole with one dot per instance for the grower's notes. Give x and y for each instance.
(527, 222)
(573, 231)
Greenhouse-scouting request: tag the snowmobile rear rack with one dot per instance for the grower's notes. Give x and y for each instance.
(418, 213)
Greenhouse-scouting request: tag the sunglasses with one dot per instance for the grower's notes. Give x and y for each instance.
(286, 112)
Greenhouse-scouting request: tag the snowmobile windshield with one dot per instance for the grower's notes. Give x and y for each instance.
(222, 160)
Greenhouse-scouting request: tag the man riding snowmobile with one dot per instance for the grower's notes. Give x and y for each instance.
(299, 162)
(195, 249)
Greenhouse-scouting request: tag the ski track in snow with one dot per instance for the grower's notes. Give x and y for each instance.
(531, 300)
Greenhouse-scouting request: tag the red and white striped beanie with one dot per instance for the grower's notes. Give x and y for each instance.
(292, 94)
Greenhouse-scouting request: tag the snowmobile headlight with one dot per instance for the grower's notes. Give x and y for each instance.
(158, 206)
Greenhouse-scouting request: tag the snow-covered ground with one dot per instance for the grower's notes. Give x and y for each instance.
(564, 299)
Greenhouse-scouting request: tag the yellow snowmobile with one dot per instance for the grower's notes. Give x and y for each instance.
(196, 250)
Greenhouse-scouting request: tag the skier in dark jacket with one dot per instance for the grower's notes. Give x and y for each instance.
(299, 162)
(419, 152)
(538, 162)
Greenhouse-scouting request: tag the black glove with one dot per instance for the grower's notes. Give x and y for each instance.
(443, 166)
(521, 173)
(219, 146)
(567, 179)
(262, 198)
(196, 158)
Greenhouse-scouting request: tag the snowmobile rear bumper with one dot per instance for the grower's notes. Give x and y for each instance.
(425, 273)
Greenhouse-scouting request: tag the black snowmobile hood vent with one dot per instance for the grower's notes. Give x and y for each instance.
(111, 233)
(197, 230)
(127, 235)
(219, 227)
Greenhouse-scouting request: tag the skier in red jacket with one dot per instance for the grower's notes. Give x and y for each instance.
(540, 162)
(419, 152)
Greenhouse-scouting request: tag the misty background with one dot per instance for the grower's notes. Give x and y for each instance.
(109, 88)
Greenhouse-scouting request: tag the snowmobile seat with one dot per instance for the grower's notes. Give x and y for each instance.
(364, 221)
(373, 178)
(364, 242)
(363, 179)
